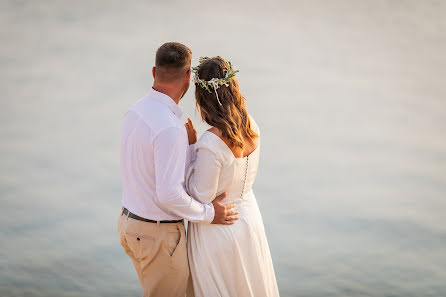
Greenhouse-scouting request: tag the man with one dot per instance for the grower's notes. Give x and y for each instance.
(154, 149)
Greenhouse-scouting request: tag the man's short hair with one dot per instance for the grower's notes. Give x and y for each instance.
(172, 58)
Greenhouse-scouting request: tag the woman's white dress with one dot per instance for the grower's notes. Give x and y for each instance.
(234, 260)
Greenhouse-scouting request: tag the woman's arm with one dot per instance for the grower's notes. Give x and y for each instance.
(203, 174)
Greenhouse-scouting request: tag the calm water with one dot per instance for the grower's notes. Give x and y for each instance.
(350, 97)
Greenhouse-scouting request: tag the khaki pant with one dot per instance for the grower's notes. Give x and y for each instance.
(158, 252)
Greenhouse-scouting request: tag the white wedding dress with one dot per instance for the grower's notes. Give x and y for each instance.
(228, 260)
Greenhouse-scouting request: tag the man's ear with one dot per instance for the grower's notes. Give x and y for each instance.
(154, 72)
(188, 75)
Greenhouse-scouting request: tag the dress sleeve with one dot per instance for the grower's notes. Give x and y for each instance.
(170, 157)
(203, 174)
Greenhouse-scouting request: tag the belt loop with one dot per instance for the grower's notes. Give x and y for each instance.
(128, 213)
(157, 230)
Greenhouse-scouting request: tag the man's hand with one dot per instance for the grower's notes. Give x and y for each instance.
(224, 214)
(191, 132)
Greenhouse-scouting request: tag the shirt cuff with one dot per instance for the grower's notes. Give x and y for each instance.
(209, 213)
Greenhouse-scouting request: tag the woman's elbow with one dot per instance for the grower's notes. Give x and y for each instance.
(202, 196)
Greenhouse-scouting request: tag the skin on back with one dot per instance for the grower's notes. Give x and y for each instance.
(250, 145)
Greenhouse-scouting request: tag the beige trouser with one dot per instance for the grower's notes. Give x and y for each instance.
(158, 252)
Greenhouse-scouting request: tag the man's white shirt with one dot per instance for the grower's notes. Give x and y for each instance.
(154, 152)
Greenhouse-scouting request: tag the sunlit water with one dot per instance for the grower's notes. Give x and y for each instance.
(350, 99)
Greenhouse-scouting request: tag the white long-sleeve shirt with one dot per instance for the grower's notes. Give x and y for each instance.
(154, 150)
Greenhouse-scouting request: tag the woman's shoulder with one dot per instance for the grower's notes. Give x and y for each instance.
(215, 130)
(218, 133)
(217, 138)
(209, 140)
(254, 125)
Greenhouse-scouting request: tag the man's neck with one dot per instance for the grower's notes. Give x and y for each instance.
(170, 91)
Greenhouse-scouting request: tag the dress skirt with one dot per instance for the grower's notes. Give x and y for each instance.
(232, 260)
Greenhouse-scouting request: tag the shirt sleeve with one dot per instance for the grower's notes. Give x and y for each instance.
(191, 156)
(203, 174)
(170, 149)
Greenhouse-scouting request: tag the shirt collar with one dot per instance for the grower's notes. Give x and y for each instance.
(166, 100)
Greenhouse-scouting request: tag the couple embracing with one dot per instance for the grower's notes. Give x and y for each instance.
(168, 177)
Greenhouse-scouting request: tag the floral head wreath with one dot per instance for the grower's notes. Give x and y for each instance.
(213, 83)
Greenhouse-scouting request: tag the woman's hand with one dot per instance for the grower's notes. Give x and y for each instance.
(191, 132)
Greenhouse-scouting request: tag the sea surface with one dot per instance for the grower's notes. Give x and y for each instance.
(350, 97)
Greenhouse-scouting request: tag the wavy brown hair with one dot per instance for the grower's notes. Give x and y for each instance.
(231, 118)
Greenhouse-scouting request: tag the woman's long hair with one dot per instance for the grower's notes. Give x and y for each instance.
(231, 118)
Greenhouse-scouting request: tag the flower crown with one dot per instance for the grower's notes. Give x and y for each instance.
(213, 83)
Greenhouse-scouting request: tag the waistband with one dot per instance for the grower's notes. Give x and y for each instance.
(125, 211)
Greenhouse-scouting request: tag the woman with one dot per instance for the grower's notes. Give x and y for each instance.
(227, 260)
